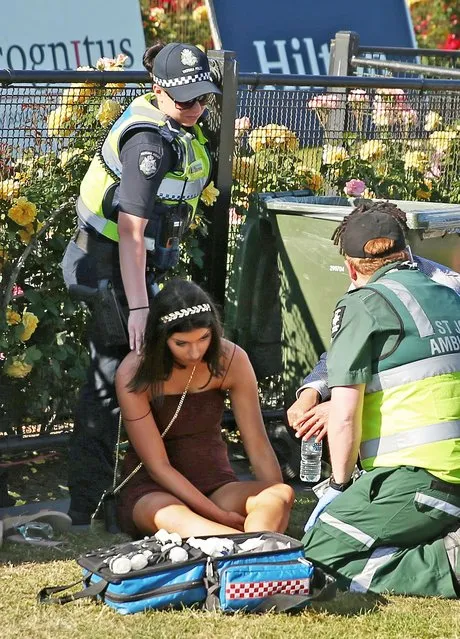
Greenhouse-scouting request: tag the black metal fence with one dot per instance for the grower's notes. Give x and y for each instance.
(399, 136)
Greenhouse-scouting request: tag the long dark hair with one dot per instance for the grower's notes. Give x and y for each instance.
(157, 362)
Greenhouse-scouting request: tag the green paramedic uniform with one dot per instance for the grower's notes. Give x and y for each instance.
(399, 335)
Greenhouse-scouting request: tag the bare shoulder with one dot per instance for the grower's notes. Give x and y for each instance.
(236, 363)
(127, 368)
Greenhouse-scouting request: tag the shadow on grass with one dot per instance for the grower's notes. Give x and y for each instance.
(74, 544)
(348, 604)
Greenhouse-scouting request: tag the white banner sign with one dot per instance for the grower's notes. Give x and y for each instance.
(66, 34)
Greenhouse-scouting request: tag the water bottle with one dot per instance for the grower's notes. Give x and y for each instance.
(310, 459)
(36, 531)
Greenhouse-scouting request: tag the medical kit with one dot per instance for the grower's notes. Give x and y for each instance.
(254, 572)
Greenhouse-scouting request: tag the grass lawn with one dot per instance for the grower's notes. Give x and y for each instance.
(24, 570)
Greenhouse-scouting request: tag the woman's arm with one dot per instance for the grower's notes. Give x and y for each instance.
(148, 444)
(242, 384)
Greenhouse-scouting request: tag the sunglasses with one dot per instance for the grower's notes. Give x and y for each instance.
(182, 106)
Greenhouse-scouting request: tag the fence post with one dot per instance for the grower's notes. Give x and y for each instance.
(221, 126)
(343, 47)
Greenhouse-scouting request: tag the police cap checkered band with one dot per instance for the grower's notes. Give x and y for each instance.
(183, 71)
(185, 312)
(370, 225)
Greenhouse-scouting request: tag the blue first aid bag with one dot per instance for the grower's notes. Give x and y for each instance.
(276, 579)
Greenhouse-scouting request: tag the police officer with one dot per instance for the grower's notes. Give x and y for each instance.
(136, 201)
(394, 370)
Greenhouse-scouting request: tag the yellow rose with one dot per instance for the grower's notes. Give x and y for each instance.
(334, 154)
(421, 194)
(441, 140)
(279, 136)
(314, 181)
(210, 194)
(18, 368)
(29, 231)
(157, 15)
(273, 136)
(415, 160)
(12, 317)
(67, 155)
(432, 121)
(108, 112)
(245, 169)
(23, 212)
(77, 93)
(200, 14)
(58, 121)
(30, 322)
(257, 139)
(372, 150)
(9, 189)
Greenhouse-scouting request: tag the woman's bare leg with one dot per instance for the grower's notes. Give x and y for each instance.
(162, 510)
(266, 506)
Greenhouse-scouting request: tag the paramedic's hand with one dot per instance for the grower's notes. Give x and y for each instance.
(329, 495)
(136, 328)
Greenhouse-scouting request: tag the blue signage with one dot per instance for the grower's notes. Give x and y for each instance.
(293, 36)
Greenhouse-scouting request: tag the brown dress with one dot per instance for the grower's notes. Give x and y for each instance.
(194, 446)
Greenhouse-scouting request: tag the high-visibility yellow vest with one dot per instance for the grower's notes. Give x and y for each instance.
(411, 414)
(185, 184)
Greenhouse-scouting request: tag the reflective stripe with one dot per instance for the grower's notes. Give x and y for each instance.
(438, 504)
(357, 534)
(423, 324)
(171, 189)
(145, 111)
(111, 158)
(410, 439)
(380, 556)
(414, 372)
(96, 221)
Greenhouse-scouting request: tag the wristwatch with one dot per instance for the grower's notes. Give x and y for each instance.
(340, 487)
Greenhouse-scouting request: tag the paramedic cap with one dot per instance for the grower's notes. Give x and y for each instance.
(371, 225)
(182, 70)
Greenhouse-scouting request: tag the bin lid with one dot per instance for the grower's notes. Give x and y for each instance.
(431, 217)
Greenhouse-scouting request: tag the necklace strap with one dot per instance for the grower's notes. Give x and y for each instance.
(117, 489)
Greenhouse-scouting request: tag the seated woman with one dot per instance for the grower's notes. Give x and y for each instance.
(176, 388)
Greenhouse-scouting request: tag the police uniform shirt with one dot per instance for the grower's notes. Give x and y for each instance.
(146, 158)
(364, 327)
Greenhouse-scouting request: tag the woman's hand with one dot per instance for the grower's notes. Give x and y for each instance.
(232, 520)
(136, 328)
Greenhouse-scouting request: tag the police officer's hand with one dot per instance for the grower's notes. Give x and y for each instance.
(329, 495)
(314, 422)
(136, 328)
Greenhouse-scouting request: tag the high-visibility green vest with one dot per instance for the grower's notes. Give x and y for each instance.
(185, 184)
(411, 414)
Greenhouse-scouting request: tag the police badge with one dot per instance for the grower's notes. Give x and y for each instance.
(149, 162)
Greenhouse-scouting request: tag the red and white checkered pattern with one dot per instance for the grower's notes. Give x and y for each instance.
(259, 589)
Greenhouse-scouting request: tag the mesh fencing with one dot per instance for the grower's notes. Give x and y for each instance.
(403, 144)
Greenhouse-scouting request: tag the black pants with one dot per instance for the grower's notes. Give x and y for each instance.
(92, 445)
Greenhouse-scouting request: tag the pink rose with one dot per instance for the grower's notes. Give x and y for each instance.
(355, 188)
